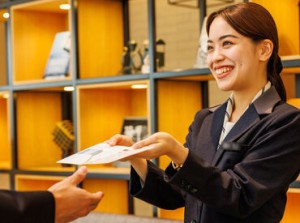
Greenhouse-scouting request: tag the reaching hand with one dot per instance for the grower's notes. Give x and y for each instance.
(72, 202)
(162, 144)
(121, 140)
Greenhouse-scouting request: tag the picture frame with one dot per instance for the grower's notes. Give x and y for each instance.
(135, 127)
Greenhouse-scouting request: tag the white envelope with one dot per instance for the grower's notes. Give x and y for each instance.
(102, 153)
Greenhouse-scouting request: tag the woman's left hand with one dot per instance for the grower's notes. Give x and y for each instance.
(162, 143)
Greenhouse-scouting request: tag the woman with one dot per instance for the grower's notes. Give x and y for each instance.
(239, 158)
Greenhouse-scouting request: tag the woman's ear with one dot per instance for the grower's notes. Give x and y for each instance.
(265, 49)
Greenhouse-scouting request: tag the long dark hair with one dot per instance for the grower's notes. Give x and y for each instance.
(254, 21)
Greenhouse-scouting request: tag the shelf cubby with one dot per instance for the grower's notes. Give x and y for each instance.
(3, 47)
(5, 146)
(175, 114)
(37, 113)
(285, 13)
(103, 107)
(4, 181)
(114, 190)
(24, 182)
(34, 25)
(291, 214)
(100, 37)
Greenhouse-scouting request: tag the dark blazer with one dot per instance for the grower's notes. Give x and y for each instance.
(26, 207)
(246, 180)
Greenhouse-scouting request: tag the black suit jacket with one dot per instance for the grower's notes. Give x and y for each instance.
(26, 207)
(246, 180)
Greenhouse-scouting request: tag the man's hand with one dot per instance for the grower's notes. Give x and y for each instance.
(72, 202)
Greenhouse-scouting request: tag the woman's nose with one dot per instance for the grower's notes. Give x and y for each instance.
(217, 55)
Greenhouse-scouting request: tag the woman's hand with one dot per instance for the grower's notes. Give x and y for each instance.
(140, 165)
(163, 144)
(120, 140)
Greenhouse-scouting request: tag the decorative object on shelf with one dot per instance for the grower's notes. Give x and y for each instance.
(135, 128)
(59, 58)
(131, 59)
(202, 49)
(146, 59)
(160, 55)
(64, 137)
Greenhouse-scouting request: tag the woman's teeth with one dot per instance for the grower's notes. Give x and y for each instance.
(222, 70)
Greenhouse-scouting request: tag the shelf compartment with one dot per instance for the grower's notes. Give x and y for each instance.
(286, 16)
(291, 214)
(4, 181)
(103, 107)
(114, 190)
(185, 97)
(34, 25)
(5, 146)
(37, 113)
(24, 182)
(100, 37)
(3, 46)
(179, 28)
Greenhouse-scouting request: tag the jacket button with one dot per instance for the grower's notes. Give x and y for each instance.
(194, 190)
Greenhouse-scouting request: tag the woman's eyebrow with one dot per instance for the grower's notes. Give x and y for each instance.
(223, 37)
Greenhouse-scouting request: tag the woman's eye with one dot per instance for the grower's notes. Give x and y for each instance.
(209, 48)
(227, 43)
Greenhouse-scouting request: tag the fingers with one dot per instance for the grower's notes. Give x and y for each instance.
(97, 197)
(119, 139)
(78, 176)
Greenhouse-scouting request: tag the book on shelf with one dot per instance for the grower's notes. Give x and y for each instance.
(59, 58)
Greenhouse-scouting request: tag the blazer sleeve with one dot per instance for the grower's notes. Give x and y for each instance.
(27, 207)
(156, 190)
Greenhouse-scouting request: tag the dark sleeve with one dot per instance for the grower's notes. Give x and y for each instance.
(156, 190)
(27, 207)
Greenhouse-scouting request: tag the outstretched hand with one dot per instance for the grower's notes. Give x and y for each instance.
(72, 202)
(162, 143)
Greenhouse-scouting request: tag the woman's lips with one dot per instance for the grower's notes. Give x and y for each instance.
(222, 72)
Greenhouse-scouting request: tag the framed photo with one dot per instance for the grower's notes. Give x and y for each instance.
(135, 127)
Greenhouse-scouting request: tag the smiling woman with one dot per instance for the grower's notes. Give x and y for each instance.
(240, 157)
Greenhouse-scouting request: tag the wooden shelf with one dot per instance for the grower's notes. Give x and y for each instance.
(291, 214)
(3, 46)
(34, 26)
(37, 113)
(116, 198)
(100, 38)
(103, 107)
(286, 15)
(188, 95)
(5, 146)
(4, 181)
(35, 182)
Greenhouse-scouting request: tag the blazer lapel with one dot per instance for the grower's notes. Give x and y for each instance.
(262, 106)
(217, 123)
(249, 118)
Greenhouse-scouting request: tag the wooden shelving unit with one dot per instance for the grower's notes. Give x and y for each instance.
(31, 106)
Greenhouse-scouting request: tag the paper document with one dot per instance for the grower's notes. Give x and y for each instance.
(102, 153)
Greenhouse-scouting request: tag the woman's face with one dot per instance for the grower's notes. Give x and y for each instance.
(233, 58)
